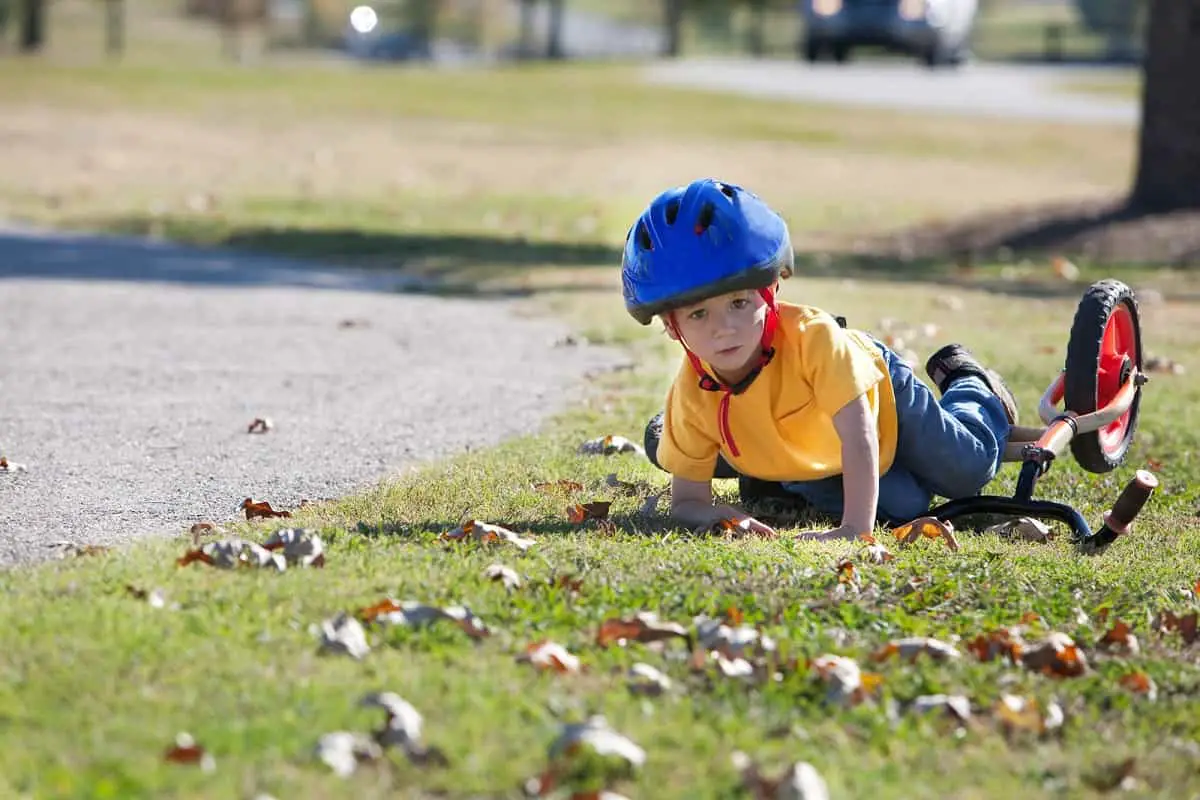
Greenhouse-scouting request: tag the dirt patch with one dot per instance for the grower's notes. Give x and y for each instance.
(1100, 231)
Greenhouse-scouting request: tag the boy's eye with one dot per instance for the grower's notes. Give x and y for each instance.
(740, 303)
(697, 314)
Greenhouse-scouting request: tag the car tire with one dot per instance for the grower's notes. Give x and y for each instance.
(841, 53)
(812, 50)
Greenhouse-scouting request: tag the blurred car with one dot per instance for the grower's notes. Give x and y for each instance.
(936, 31)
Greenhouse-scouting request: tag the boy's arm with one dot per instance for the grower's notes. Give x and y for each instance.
(855, 425)
(692, 503)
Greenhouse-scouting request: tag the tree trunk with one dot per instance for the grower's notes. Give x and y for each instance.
(33, 26)
(672, 27)
(525, 45)
(554, 49)
(1168, 169)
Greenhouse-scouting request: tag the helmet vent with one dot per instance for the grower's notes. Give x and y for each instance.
(643, 235)
(672, 211)
(704, 219)
(726, 190)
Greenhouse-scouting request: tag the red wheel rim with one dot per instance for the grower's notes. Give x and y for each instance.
(1118, 346)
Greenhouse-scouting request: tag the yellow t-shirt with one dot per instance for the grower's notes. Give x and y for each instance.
(782, 424)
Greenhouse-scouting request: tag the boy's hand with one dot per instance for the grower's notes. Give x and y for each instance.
(844, 532)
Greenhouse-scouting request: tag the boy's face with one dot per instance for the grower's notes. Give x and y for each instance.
(726, 331)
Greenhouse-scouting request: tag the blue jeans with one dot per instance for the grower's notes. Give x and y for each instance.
(951, 448)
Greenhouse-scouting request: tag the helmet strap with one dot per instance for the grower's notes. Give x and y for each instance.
(711, 384)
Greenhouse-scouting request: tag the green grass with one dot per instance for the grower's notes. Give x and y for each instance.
(1124, 87)
(96, 684)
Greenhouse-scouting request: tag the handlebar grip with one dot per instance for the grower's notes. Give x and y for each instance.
(1131, 500)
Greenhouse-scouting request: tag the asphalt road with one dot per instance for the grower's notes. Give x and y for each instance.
(978, 89)
(129, 372)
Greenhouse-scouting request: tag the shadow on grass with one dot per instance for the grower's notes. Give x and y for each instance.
(451, 264)
(1106, 238)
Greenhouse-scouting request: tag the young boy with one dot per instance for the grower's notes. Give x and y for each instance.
(783, 396)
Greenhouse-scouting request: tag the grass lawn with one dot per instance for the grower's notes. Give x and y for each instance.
(530, 176)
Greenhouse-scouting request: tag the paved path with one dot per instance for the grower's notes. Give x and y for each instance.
(129, 372)
(980, 89)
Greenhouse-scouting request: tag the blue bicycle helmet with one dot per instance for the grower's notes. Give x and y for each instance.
(698, 241)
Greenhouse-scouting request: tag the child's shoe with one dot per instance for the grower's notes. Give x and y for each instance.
(955, 361)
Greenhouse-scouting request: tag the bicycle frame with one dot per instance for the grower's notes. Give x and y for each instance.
(1036, 449)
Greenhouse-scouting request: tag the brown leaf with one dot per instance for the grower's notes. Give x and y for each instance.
(626, 487)
(844, 681)
(643, 627)
(1121, 637)
(547, 655)
(1162, 364)
(910, 648)
(1020, 714)
(582, 512)
(1140, 683)
(559, 486)
(1056, 655)
(1001, 643)
(414, 614)
(486, 533)
(6, 466)
(801, 781)
(261, 509)
(187, 751)
(930, 528)
(260, 425)
(1169, 622)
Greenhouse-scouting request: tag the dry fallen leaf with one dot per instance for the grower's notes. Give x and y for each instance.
(1162, 364)
(506, 575)
(582, 512)
(801, 781)
(7, 467)
(1120, 637)
(415, 615)
(650, 506)
(644, 626)
(1185, 625)
(403, 728)
(205, 528)
(261, 509)
(626, 487)
(547, 655)
(71, 549)
(591, 748)
(344, 634)
(1020, 714)
(300, 546)
(1000, 643)
(233, 553)
(155, 598)
(844, 680)
(609, 445)
(1064, 268)
(343, 751)
(909, 649)
(876, 552)
(1025, 528)
(957, 706)
(644, 679)
(486, 533)
(732, 641)
(930, 528)
(260, 425)
(187, 751)
(1056, 655)
(1140, 683)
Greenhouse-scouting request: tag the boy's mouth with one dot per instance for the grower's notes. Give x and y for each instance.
(728, 351)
